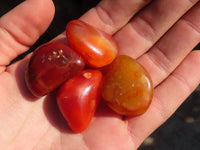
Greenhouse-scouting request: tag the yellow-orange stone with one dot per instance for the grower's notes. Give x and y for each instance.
(127, 87)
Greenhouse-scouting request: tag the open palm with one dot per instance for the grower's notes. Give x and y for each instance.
(160, 37)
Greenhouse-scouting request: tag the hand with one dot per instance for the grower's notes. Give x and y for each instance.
(160, 37)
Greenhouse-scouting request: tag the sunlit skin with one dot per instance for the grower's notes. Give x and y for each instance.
(127, 87)
(51, 65)
(160, 35)
(78, 99)
(96, 46)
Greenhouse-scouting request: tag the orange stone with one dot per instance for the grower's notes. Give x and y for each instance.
(127, 87)
(96, 47)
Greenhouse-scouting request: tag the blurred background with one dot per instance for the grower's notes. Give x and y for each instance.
(180, 132)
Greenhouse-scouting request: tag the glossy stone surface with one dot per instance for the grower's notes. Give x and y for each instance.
(97, 47)
(78, 98)
(50, 66)
(127, 87)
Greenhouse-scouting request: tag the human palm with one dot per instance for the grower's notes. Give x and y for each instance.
(153, 37)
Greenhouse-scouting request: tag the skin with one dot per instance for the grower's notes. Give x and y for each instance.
(162, 46)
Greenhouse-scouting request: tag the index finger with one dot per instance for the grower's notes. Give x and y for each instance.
(110, 15)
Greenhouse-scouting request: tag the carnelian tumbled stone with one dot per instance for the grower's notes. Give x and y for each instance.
(96, 47)
(78, 98)
(51, 65)
(127, 87)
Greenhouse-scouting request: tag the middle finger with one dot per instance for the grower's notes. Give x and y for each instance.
(149, 25)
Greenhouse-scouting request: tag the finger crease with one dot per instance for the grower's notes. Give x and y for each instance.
(105, 17)
(184, 83)
(142, 23)
(160, 59)
(13, 37)
(192, 25)
(159, 105)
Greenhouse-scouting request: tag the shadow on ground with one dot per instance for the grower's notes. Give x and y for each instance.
(181, 131)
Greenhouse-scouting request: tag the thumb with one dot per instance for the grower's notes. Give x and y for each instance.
(22, 26)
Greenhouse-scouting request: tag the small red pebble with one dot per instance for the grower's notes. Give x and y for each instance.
(97, 47)
(78, 99)
(51, 65)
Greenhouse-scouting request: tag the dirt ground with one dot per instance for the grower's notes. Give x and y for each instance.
(180, 132)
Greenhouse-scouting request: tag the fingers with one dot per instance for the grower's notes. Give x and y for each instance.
(111, 15)
(173, 47)
(167, 97)
(22, 26)
(149, 25)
